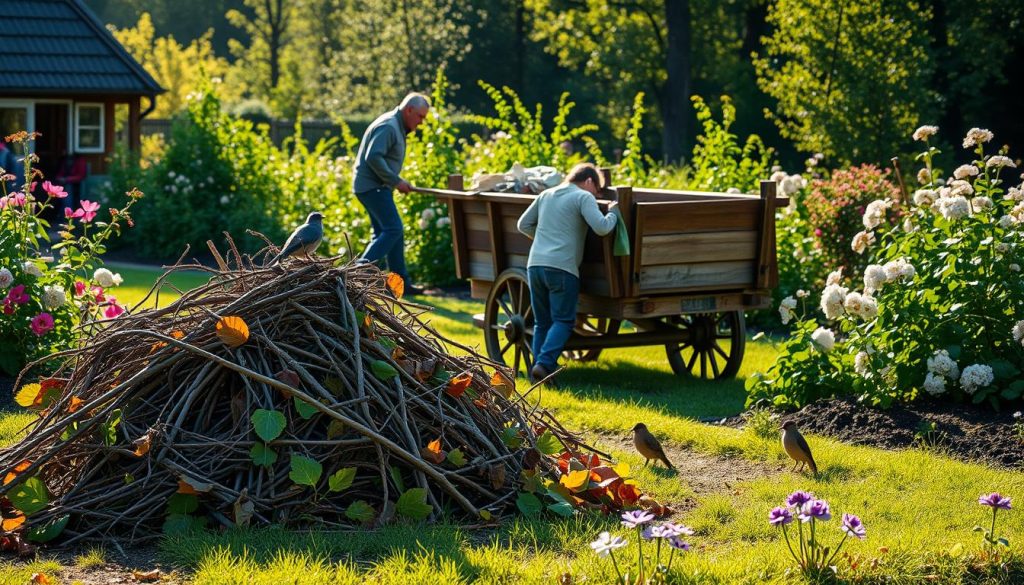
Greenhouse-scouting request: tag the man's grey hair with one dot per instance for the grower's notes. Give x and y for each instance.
(416, 100)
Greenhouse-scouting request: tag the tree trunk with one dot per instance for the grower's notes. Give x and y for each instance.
(520, 47)
(676, 97)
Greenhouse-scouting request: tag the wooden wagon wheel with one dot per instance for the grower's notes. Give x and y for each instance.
(508, 321)
(715, 346)
(590, 326)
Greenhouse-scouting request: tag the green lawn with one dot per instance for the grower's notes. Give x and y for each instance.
(918, 507)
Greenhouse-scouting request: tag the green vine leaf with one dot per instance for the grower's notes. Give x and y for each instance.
(413, 504)
(263, 455)
(305, 471)
(305, 409)
(342, 479)
(268, 424)
(30, 497)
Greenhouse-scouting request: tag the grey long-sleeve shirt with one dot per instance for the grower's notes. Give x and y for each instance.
(557, 222)
(381, 153)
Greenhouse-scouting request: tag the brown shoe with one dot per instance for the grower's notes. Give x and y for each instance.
(538, 373)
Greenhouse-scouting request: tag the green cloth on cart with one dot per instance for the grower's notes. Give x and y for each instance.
(621, 236)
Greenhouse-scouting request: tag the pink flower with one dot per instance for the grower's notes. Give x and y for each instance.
(55, 191)
(79, 288)
(68, 214)
(88, 210)
(113, 309)
(16, 199)
(17, 295)
(42, 323)
(8, 308)
(98, 292)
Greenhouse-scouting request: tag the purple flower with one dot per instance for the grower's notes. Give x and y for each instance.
(852, 526)
(815, 509)
(780, 516)
(671, 529)
(799, 498)
(995, 500)
(678, 543)
(636, 518)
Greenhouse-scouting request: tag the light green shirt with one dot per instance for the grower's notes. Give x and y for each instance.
(557, 222)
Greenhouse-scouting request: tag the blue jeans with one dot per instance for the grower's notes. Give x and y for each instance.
(388, 240)
(553, 296)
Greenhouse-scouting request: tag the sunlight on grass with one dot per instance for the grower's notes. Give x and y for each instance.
(12, 424)
(93, 558)
(21, 573)
(138, 281)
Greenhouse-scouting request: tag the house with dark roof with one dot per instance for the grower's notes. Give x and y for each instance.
(64, 75)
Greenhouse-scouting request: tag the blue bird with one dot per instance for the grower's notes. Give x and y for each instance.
(305, 239)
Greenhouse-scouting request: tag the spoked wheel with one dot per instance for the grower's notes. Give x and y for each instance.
(508, 321)
(591, 326)
(714, 349)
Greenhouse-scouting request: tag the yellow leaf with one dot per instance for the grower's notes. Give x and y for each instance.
(396, 285)
(486, 515)
(232, 331)
(76, 403)
(622, 469)
(502, 384)
(26, 397)
(18, 469)
(576, 480)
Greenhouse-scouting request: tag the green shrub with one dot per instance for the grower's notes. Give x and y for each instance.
(719, 163)
(941, 311)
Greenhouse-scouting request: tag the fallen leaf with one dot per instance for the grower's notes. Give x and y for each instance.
(188, 485)
(531, 458)
(26, 395)
(289, 377)
(75, 404)
(143, 443)
(628, 493)
(395, 284)
(146, 576)
(397, 354)
(16, 471)
(496, 473)
(157, 346)
(480, 403)
(12, 523)
(432, 452)
(40, 578)
(425, 369)
(458, 385)
(501, 384)
(575, 480)
(177, 334)
(232, 331)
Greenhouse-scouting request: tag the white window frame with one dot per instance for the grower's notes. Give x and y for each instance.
(30, 118)
(101, 128)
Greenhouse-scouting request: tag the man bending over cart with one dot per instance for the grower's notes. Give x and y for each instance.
(557, 223)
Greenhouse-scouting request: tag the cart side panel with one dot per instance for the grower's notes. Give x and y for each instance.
(690, 246)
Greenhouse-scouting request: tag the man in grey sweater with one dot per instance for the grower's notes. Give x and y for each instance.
(557, 221)
(377, 173)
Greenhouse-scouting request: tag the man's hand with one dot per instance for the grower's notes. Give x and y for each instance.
(613, 206)
(403, 186)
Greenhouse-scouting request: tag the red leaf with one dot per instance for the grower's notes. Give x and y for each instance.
(458, 385)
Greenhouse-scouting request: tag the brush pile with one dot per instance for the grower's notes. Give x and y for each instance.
(304, 394)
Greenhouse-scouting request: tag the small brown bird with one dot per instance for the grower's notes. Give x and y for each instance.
(796, 447)
(648, 445)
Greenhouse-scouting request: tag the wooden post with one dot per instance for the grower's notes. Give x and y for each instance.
(767, 275)
(627, 267)
(497, 237)
(134, 130)
(457, 216)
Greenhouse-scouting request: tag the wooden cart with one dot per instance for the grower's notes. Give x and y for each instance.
(698, 261)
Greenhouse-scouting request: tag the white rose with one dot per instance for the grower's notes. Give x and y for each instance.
(786, 309)
(30, 267)
(832, 299)
(954, 208)
(923, 132)
(960, 187)
(874, 278)
(106, 278)
(443, 221)
(1000, 161)
(1018, 331)
(924, 176)
(834, 277)
(424, 224)
(54, 296)
(6, 278)
(924, 197)
(862, 240)
(976, 136)
(428, 214)
(981, 203)
(964, 171)
(1015, 267)
(861, 363)
(875, 213)
(824, 338)
(1006, 221)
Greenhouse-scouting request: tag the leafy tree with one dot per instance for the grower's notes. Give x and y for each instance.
(268, 24)
(178, 69)
(850, 78)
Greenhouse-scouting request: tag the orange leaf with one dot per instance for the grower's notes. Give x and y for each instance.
(628, 493)
(185, 488)
(502, 384)
(75, 404)
(158, 345)
(11, 475)
(396, 285)
(458, 384)
(40, 578)
(397, 354)
(146, 576)
(232, 331)
(143, 443)
(432, 452)
(480, 403)
(177, 334)
(11, 524)
(576, 480)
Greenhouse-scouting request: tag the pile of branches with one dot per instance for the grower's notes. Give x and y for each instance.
(306, 394)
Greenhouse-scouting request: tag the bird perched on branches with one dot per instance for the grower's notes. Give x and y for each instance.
(305, 239)
(797, 448)
(648, 445)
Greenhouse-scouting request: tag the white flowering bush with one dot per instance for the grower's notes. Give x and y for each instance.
(938, 310)
(44, 298)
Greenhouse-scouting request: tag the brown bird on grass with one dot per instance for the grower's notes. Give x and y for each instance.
(796, 447)
(648, 445)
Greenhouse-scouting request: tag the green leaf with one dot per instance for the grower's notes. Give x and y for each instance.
(342, 479)
(360, 511)
(305, 409)
(529, 504)
(548, 444)
(335, 385)
(30, 497)
(456, 457)
(383, 369)
(305, 471)
(563, 509)
(510, 437)
(48, 532)
(413, 504)
(182, 504)
(335, 429)
(109, 428)
(263, 455)
(396, 476)
(268, 424)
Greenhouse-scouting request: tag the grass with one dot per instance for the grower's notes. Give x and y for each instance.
(139, 280)
(919, 507)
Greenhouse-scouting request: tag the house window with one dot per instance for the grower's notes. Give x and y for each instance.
(89, 127)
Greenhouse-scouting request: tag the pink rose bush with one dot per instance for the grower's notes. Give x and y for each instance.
(44, 298)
